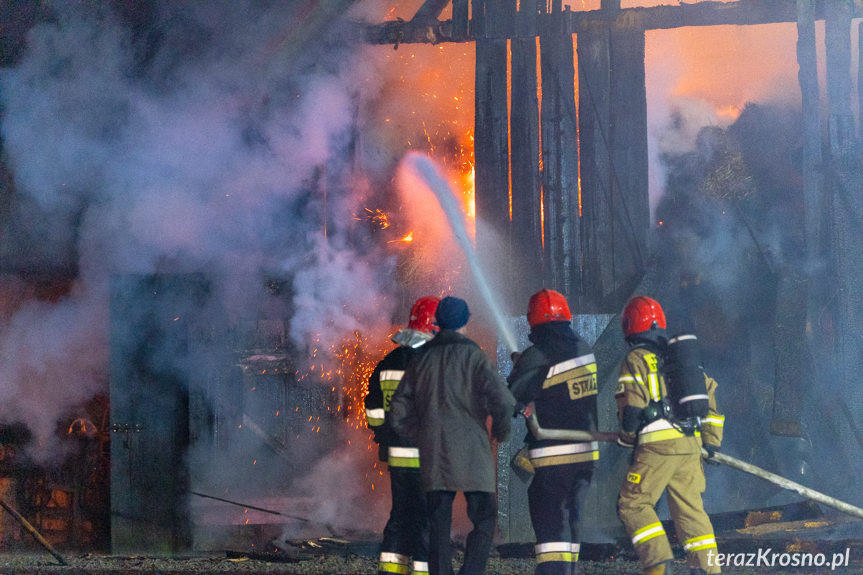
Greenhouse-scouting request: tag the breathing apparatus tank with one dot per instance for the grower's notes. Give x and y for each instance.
(684, 379)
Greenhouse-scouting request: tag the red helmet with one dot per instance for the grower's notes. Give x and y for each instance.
(641, 314)
(547, 305)
(422, 315)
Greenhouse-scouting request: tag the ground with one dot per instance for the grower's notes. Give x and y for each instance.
(331, 564)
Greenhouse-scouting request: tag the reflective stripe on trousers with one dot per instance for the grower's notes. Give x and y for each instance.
(564, 454)
(647, 533)
(404, 457)
(562, 551)
(394, 563)
(699, 543)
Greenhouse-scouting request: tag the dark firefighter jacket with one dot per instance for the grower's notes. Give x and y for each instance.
(640, 381)
(382, 384)
(558, 374)
(442, 403)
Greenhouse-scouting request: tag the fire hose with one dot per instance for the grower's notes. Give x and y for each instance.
(605, 436)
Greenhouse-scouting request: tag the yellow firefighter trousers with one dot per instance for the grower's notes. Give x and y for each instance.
(683, 477)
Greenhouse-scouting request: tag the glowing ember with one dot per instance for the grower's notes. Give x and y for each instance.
(378, 218)
(409, 237)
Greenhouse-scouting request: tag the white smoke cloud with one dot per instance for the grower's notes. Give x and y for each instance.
(192, 144)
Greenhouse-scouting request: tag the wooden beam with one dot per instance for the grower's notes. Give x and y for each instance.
(628, 141)
(807, 60)
(430, 11)
(838, 42)
(491, 140)
(707, 13)
(460, 19)
(559, 157)
(594, 97)
(860, 82)
(526, 186)
(400, 32)
(800, 296)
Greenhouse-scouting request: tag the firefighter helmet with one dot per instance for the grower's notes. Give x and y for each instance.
(547, 305)
(422, 315)
(641, 315)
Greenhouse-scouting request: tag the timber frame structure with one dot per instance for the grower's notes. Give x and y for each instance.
(574, 179)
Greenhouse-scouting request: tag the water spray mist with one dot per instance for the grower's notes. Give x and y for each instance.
(430, 175)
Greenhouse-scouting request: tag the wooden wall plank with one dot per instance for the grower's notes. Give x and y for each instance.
(613, 133)
(560, 156)
(460, 14)
(491, 150)
(526, 184)
(594, 107)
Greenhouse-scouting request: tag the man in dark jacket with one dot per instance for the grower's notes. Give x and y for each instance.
(442, 404)
(406, 532)
(558, 375)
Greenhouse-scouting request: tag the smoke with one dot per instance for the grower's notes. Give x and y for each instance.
(704, 76)
(732, 232)
(212, 138)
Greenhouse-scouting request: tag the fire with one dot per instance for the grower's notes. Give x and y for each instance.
(378, 218)
(433, 86)
(357, 359)
(347, 367)
(728, 113)
(408, 237)
(82, 427)
(709, 64)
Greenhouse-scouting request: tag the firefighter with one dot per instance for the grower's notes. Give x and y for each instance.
(444, 403)
(406, 532)
(667, 449)
(558, 375)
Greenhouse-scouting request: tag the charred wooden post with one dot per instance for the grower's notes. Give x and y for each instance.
(491, 132)
(430, 10)
(793, 371)
(526, 223)
(860, 83)
(796, 293)
(838, 41)
(559, 128)
(628, 140)
(812, 158)
(846, 206)
(460, 19)
(613, 136)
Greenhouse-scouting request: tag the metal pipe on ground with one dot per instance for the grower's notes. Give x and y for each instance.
(32, 530)
(256, 508)
(610, 437)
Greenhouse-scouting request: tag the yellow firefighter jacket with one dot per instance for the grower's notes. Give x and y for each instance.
(641, 381)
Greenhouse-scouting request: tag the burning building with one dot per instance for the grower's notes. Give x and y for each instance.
(204, 213)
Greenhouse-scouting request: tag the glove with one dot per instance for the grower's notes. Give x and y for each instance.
(711, 450)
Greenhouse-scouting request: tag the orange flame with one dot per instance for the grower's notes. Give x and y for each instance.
(408, 237)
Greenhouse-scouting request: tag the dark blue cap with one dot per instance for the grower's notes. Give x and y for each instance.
(452, 313)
